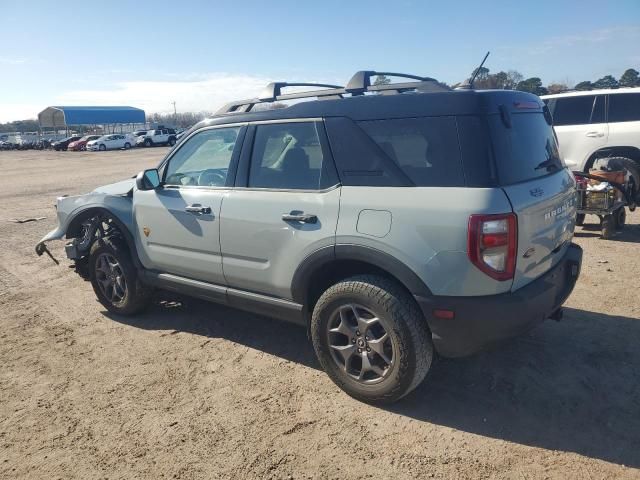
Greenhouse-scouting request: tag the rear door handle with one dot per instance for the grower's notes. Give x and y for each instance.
(198, 209)
(299, 217)
(595, 134)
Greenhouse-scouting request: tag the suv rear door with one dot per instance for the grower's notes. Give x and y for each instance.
(541, 191)
(283, 208)
(581, 126)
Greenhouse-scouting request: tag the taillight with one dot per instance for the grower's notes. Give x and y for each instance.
(492, 244)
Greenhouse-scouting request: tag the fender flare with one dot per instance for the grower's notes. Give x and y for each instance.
(301, 282)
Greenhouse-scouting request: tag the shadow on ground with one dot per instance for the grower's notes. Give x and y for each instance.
(572, 386)
(629, 234)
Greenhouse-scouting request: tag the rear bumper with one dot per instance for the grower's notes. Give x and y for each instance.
(482, 321)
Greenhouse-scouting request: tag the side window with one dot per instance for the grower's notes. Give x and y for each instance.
(426, 149)
(624, 107)
(287, 156)
(204, 159)
(572, 110)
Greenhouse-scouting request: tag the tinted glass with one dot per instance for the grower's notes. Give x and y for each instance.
(426, 149)
(287, 156)
(624, 107)
(204, 159)
(525, 151)
(475, 148)
(360, 161)
(571, 110)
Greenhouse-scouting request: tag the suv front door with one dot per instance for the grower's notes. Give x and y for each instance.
(283, 208)
(177, 224)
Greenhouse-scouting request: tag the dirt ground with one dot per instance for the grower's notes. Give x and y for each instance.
(195, 390)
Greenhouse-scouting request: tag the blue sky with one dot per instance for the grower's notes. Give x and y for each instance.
(203, 53)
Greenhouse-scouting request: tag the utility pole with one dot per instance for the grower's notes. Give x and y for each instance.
(175, 114)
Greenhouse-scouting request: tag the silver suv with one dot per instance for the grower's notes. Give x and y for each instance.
(392, 221)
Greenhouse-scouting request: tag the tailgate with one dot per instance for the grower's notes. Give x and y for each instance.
(546, 210)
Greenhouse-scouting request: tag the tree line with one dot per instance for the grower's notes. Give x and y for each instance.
(514, 80)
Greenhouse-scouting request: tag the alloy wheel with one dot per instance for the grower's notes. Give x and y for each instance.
(360, 343)
(110, 278)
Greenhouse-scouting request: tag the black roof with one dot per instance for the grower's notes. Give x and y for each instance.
(372, 107)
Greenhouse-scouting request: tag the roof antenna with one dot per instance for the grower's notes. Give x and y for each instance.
(477, 71)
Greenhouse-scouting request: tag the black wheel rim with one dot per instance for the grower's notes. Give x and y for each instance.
(110, 278)
(360, 343)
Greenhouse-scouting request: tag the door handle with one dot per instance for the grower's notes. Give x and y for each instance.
(198, 209)
(299, 217)
(595, 134)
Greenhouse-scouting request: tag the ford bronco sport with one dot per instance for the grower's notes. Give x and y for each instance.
(392, 221)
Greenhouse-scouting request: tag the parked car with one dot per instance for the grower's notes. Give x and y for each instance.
(138, 133)
(598, 124)
(390, 226)
(63, 144)
(111, 142)
(158, 136)
(81, 144)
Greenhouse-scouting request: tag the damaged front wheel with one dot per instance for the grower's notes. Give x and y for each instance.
(114, 278)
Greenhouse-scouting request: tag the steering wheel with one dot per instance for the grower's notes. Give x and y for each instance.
(212, 177)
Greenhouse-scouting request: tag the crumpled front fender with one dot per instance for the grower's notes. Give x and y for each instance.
(70, 208)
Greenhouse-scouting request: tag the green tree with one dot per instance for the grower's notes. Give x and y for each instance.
(532, 85)
(630, 78)
(608, 81)
(382, 80)
(586, 85)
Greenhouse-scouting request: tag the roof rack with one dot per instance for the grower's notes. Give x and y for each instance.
(361, 83)
(358, 85)
(273, 93)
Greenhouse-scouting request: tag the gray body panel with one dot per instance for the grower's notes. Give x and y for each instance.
(177, 241)
(261, 251)
(428, 232)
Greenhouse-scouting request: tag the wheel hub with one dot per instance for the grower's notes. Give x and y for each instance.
(360, 344)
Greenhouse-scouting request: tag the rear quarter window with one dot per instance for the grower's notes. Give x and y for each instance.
(425, 149)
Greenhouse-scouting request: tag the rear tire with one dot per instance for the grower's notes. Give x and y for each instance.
(172, 141)
(148, 143)
(114, 278)
(608, 226)
(580, 219)
(620, 218)
(371, 338)
(127, 146)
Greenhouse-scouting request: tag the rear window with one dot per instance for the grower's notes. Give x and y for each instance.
(525, 151)
(426, 149)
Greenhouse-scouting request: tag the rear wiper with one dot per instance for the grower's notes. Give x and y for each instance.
(549, 163)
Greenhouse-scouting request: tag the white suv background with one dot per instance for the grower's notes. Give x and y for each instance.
(597, 124)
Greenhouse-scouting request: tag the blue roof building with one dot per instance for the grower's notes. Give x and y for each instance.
(62, 117)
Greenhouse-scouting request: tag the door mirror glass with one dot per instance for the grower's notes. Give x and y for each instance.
(148, 179)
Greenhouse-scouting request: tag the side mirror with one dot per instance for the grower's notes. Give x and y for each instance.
(148, 179)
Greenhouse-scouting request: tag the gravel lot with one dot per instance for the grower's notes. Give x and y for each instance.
(194, 390)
